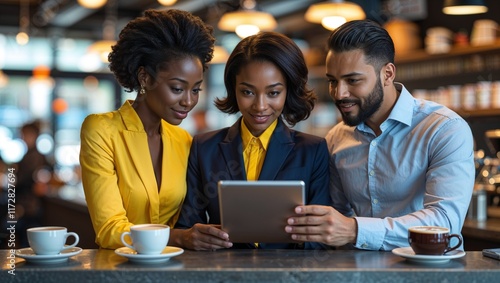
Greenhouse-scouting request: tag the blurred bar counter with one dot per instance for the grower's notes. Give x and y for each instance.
(479, 235)
(93, 265)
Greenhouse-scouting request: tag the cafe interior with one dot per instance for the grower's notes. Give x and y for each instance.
(53, 70)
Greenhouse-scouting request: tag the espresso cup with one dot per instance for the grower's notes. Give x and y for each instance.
(432, 240)
(148, 239)
(50, 240)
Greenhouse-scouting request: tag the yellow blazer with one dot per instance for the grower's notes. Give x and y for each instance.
(118, 177)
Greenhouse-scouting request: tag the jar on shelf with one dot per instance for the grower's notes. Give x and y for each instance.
(478, 207)
(455, 96)
(484, 32)
(483, 95)
(495, 94)
(468, 97)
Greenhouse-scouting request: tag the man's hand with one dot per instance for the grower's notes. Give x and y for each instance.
(323, 224)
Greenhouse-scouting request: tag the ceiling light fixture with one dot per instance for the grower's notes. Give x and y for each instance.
(92, 4)
(167, 2)
(22, 38)
(247, 21)
(332, 14)
(103, 47)
(220, 55)
(464, 7)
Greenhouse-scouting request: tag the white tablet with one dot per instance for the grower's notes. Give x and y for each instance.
(257, 211)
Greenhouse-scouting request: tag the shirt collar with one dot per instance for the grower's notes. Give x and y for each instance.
(247, 136)
(403, 109)
(401, 112)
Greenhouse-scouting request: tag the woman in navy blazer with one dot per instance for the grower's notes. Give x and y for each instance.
(266, 80)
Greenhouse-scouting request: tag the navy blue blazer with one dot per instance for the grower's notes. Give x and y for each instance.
(217, 155)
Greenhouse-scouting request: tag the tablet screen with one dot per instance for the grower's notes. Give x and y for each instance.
(257, 211)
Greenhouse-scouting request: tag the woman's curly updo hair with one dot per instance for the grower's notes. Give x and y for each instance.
(157, 38)
(281, 51)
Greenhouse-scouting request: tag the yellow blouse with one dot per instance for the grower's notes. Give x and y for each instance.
(254, 149)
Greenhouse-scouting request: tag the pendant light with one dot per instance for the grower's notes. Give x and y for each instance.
(22, 38)
(464, 7)
(332, 14)
(92, 4)
(167, 2)
(220, 55)
(247, 21)
(103, 47)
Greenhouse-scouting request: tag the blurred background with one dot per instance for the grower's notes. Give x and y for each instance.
(53, 72)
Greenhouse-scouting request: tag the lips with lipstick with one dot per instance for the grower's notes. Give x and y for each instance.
(260, 118)
(180, 114)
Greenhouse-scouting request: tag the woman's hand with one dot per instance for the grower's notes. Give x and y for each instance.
(201, 237)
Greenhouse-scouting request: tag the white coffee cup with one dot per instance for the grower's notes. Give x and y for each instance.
(50, 240)
(147, 239)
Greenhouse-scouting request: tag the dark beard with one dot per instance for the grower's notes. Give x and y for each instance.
(366, 108)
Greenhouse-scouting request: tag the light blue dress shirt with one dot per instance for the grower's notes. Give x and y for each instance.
(419, 171)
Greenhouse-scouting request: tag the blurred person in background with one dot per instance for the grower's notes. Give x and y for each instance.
(29, 207)
(266, 81)
(200, 121)
(4, 233)
(134, 160)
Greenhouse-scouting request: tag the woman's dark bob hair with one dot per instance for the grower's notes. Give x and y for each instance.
(286, 56)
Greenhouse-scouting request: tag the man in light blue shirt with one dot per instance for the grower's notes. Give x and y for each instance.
(396, 161)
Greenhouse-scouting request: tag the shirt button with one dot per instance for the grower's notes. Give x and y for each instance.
(364, 245)
(372, 173)
(374, 143)
(375, 201)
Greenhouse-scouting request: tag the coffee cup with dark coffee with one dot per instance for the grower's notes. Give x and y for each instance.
(432, 240)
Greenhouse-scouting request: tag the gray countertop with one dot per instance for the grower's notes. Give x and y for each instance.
(253, 266)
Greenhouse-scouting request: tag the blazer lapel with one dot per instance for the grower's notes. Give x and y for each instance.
(136, 144)
(280, 146)
(232, 151)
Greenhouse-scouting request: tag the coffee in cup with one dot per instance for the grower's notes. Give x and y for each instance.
(432, 240)
(50, 240)
(147, 239)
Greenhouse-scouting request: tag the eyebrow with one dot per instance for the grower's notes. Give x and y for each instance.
(269, 86)
(184, 81)
(346, 75)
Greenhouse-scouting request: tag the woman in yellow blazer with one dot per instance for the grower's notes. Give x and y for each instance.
(134, 160)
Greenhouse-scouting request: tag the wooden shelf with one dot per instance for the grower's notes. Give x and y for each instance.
(418, 56)
(478, 112)
(462, 65)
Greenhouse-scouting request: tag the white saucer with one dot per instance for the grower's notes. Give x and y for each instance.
(30, 256)
(133, 256)
(408, 253)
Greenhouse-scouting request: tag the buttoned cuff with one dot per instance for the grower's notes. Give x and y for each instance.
(371, 233)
